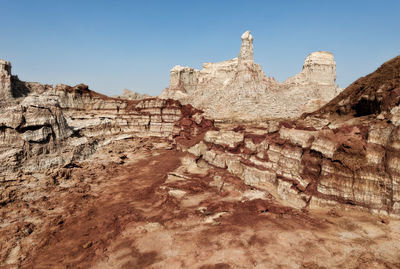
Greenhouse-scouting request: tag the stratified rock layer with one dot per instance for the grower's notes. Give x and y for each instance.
(376, 93)
(238, 89)
(337, 156)
(49, 126)
(328, 158)
(130, 95)
(5, 80)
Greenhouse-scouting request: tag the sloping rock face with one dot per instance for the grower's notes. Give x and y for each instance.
(346, 154)
(43, 126)
(238, 89)
(374, 94)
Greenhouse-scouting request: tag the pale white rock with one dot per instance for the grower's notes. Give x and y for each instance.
(290, 196)
(39, 135)
(234, 166)
(5, 80)
(130, 95)
(379, 134)
(395, 115)
(254, 177)
(325, 146)
(198, 149)
(246, 50)
(153, 226)
(215, 158)
(375, 157)
(238, 89)
(11, 117)
(177, 193)
(319, 67)
(298, 137)
(254, 194)
(212, 219)
(228, 138)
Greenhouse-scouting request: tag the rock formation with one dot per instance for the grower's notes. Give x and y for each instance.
(344, 155)
(130, 95)
(86, 177)
(246, 50)
(42, 126)
(375, 94)
(5, 80)
(238, 89)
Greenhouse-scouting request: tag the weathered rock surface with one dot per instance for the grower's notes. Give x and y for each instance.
(5, 80)
(309, 168)
(328, 158)
(246, 50)
(134, 204)
(238, 89)
(43, 126)
(85, 195)
(374, 94)
(130, 95)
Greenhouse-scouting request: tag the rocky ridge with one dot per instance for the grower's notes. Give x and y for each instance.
(238, 89)
(42, 126)
(344, 155)
(93, 181)
(325, 158)
(377, 94)
(130, 95)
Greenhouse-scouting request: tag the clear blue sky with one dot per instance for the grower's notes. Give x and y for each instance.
(111, 45)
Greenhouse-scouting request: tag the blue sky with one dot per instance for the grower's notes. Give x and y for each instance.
(112, 45)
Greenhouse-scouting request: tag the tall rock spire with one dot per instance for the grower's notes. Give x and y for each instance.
(5, 80)
(246, 50)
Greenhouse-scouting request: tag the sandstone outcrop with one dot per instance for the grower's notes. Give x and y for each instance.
(238, 89)
(246, 50)
(76, 190)
(375, 94)
(130, 95)
(5, 80)
(42, 126)
(311, 168)
(344, 155)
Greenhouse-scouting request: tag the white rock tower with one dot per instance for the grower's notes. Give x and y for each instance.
(239, 89)
(246, 50)
(5, 80)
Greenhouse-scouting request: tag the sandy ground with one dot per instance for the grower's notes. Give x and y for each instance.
(142, 204)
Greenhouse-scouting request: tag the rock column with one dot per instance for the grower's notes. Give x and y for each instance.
(5, 80)
(246, 50)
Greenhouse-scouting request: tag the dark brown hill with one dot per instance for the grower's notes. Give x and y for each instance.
(370, 95)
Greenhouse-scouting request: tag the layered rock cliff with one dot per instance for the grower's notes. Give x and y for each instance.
(5, 80)
(130, 95)
(375, 94)
(346, 154)
(238, 88)
(42, 126)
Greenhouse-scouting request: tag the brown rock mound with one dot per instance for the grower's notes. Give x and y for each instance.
(370, 95)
